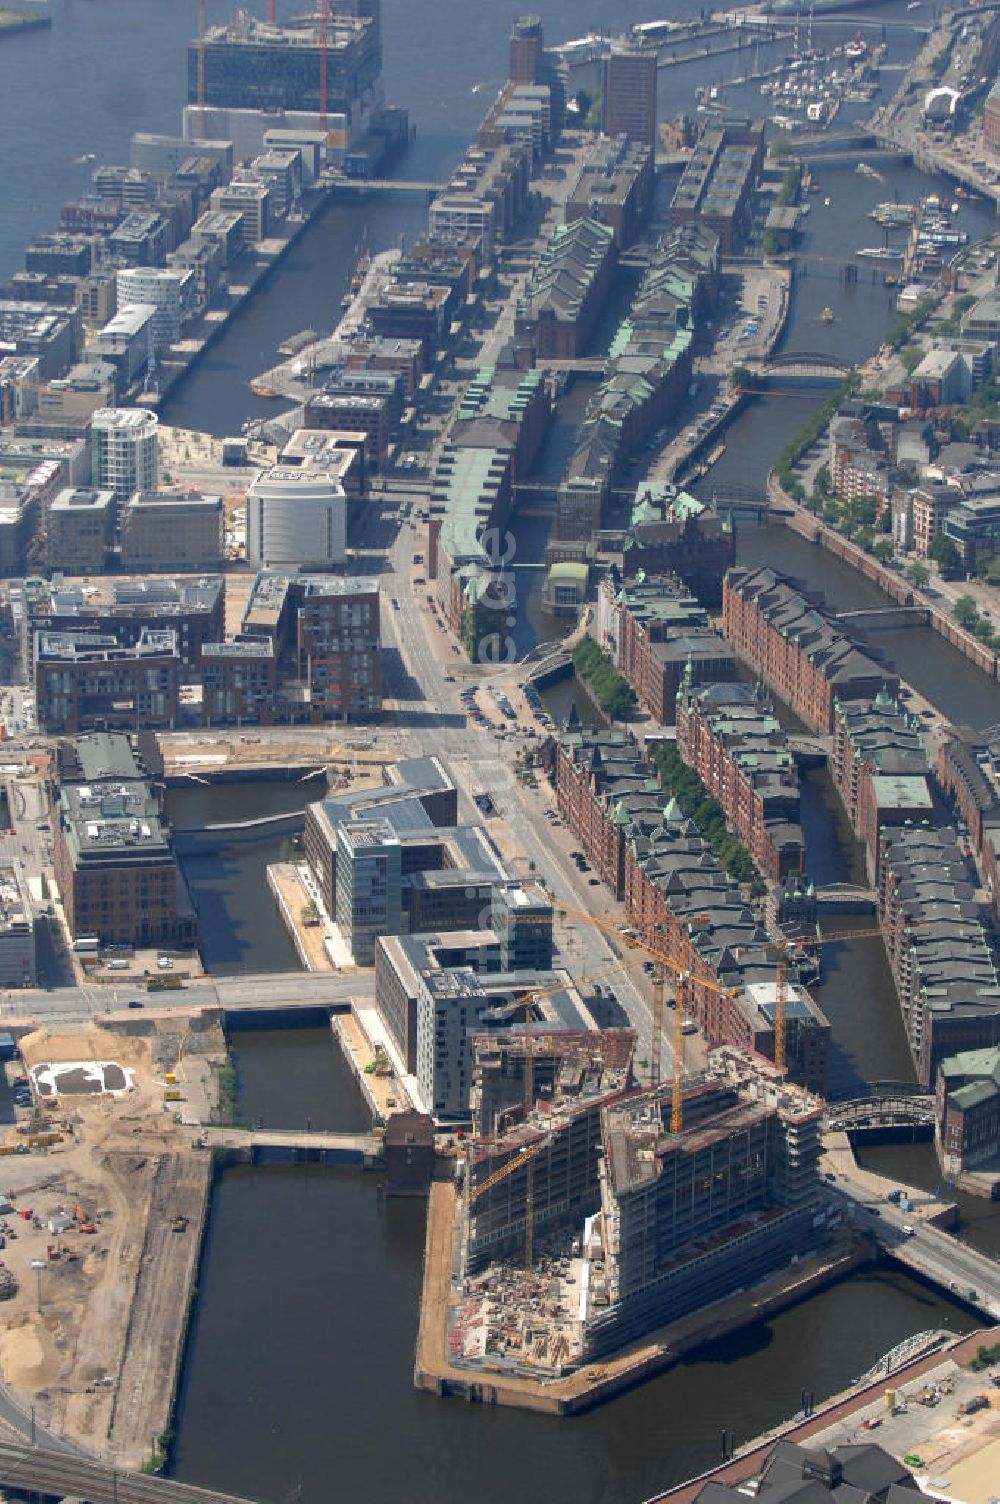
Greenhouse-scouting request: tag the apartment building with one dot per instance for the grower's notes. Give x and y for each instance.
(124, 450)
(239, 682)
(89, 681)
(114, 862)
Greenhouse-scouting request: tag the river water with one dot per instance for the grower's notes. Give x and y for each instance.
(298, 1369)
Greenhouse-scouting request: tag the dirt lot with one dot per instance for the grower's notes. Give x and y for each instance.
(90, 1338)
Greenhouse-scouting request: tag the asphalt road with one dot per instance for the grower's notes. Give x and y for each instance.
(432, 719)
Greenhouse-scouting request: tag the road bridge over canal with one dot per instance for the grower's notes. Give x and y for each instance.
(266, 992)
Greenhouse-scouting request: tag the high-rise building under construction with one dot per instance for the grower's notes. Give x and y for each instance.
(256, 65)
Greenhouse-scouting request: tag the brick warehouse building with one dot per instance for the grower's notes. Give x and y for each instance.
(680, 901)
(799, 651)
(729, 735)
(879, 769)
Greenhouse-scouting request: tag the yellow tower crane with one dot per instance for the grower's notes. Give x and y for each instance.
(781, 950)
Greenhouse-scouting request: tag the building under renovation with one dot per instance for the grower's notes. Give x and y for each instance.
(257, 65)
(632, 1226)
(568, 1075)
(688, 1218)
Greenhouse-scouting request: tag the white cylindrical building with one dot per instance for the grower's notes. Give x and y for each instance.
(123, 450)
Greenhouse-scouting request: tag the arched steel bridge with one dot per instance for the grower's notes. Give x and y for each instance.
(786, 359)
(883, 1104)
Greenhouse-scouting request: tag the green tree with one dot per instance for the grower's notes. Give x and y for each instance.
(883, 550)
(823, 483)
(945, 555)
(918, 575)
(964, 611)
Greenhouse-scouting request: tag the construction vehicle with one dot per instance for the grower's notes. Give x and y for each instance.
(179, 1224)
(83, 1220)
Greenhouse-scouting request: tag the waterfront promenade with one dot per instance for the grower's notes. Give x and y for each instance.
(842, 1408)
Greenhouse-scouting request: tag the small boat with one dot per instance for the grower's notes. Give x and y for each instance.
(827, 315)
(890, 279)
(827, 202)
(880, 253)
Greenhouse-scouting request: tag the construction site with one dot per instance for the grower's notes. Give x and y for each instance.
(600, 1233)
(101, 1214)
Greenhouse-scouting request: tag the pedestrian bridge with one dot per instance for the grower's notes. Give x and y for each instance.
(289, 823)
(889, 616)
(884, 1104)
(845, 898)
(27, 1469)
(303, 1145)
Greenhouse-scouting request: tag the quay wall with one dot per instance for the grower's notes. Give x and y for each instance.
(288, 919)
(197, 1232)
(253, 773)
(888, 580)
(596, 1383)
(354, 1066)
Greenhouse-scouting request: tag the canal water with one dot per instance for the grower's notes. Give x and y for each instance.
(299, 1367)
(294, 1078)
(298, 1371)
(241, 928)
(917, 1165)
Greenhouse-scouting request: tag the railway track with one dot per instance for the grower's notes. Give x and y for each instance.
(29, 1469)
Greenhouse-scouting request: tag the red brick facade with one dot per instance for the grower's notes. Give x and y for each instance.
(796, 648)
(748, 791)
